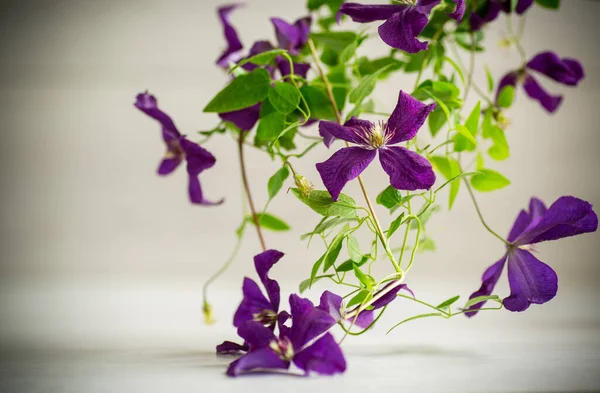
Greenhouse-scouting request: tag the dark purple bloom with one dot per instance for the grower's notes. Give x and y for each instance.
(403, 22)
(333, 304)
(292, 37)
(489, 10)
(234, 45)
(306, 344)
(566, 71)
(178, 148)
(407, 170)
(244, 119)
(532, 281)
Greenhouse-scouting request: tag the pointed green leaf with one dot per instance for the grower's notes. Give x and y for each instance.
(362, 296)
(488, 180)
(284, 97)
(353, 249)
(276, 181)
(366, 86)
(394, 225)
(242, 92)
(506, 96)
(269, 221)
(449, 302)
(390, 197)
(322, 203)
(480, 299)
(306, 284)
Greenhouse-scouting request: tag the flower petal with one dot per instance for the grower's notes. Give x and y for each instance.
(489, 279)
(485, 14)
(233, 42)
(566, 71)
(407, 170)
(198, 159)
(169, 164)
(253, 302)
(407, 118)
(535, 91)
(255, 335)
(261, 359)
(531, 281)
(524, 219)
(331, 304)
(522, 6)
(299, 68)
(401, 30)
(348, 134)
(459, 11)
(344, 165)
(308, 322)
(303, 26)
(323, 357)
(263, 262)
(363, 13)
(568, 216)
(389, 296)
(287, 35)
(148, 104)
(231, 348)
(244, 119)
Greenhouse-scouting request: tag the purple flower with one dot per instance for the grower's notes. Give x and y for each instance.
(292, 37)
(305, 343)
(566, 71)
(489, 11)
(234, 45)
(532, 281)
(403, 22)
(178, 148)
(407, 170)
(333, 305)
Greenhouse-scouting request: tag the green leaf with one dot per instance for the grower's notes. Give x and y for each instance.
(270, 126)
(436, 120)
(365, 87)
(322, 203)
(348, 52)
(333, 251)
(426, 244)
(276, 181)
(464, 132)
(364, 279)
(361, 297)
(306, 284)
(262, 59)
(466, 138)
(325, 224)
(394, 225)
(243, 92)
(390, 197)
(450, 169)
(490, 79)
(472, 123)
(550, 4)
(318, 102)
(269, 221)
(335, 40)
(353, 249)
(488, 180)
(480, 299)
(367, 66)
(349, 264)
(506, 96)
(500, 150)
(284, 97)
(315, 270)
(449, 302)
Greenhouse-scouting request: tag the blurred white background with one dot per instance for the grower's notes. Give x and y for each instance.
(98, 251)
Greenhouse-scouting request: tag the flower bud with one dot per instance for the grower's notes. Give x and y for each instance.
(208, 316)
(304, 185)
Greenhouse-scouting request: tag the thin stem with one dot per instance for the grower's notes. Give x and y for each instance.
(338, 117)
(480, 215)
(248, 192)
(471, 67)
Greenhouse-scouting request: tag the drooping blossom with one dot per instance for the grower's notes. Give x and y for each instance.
(489, 10)
(407, 170)
(334, 305)
(179, 148)
(566, 71)
(255, 306)
(532, 281)
(403, 22)
(290, 37)
(306, 344)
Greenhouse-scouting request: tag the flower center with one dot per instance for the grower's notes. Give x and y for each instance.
(266, 317)
(283, 348)
(174, 150)
(377, 134)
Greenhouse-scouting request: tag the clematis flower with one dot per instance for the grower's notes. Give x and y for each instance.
(234, 45)
(179, 148)
(403, 22)
(489, 11)
(292, 37)
(532, 281)
(407, 170)
(334, 305)
(306, 344)
(565, 71)
(255, 306)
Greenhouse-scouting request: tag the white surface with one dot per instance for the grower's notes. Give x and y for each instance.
(125, 337)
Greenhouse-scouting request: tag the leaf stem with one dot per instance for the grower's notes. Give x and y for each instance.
(480, 215)
(338, 117)
(248, 191)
